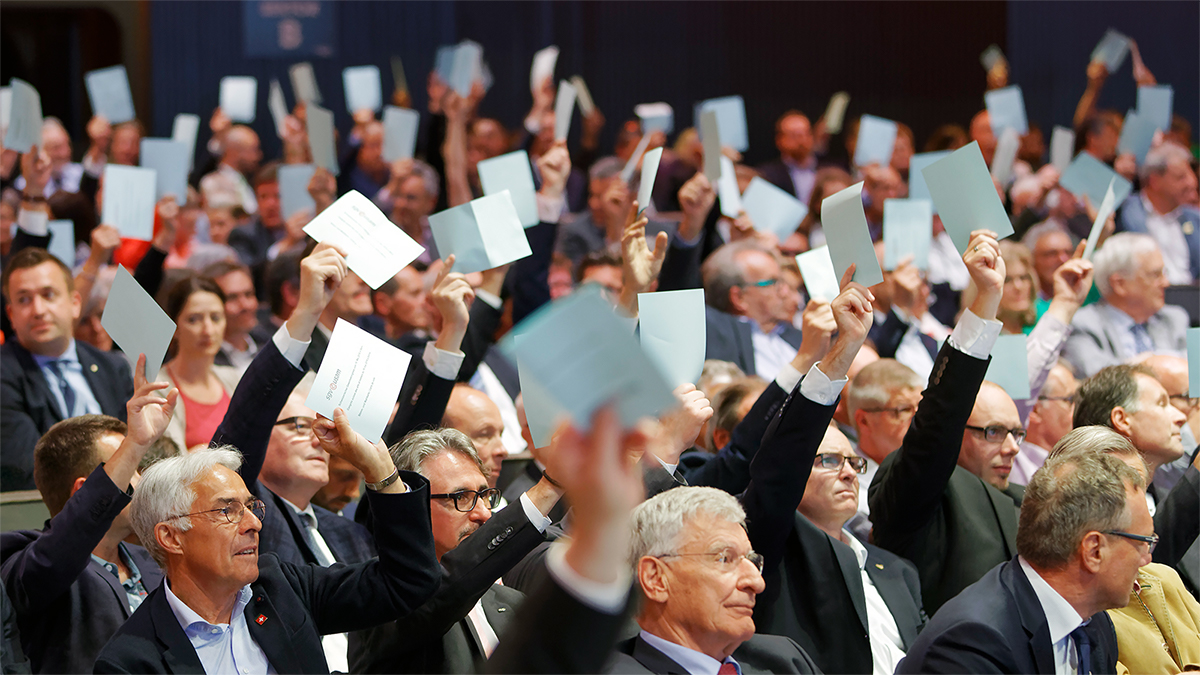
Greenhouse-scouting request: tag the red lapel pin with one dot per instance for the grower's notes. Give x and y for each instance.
(262, 618)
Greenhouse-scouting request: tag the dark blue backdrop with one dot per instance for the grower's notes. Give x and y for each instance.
(914, 61)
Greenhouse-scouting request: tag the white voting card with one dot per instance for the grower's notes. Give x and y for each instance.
(239, 98)
(62, 241)
(727, 190)
(277, 104)
(399, 133)
(363, 88)
(816, 269)
(1112, 50)
(25, 118)
(169, 159)
(564, 107)
(376, 249)
(185, 129)
(586, 104)
(907, 231)
(304, 83)
(1009, 366)
(543, 66)
(1087, 175)
(482, 234)
(1005, 155)
(1137, 134)
(1062, 147)
(293, 189)
(672, 331)
(136, 323)
(129, 199)
(649, 174)
(1106, 209)
(917, 189)
(965, 196)
(710, 138)
(319, 123)
(771, 209)
(655, 117)
(835, 112)
(108, 91)
(362, 375)
(1006, 109)
(848, 237)
(512, 172)
(731, 120)
(876, 141)
(1154, 103)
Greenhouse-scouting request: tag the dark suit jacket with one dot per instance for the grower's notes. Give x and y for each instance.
(28, 408)
(776, 173)
(1177, 520)
(67, 604)
(437, 637)
(730, 339)
(729, 469)
(997, 626)
(951, 524)
(293, 605)
(759, 654)
(814, 592)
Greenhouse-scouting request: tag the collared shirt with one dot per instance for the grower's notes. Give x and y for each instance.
(72, 372)
(225, 647)
(1061, 619)
(771, 351)
(1124, 326)
(487, 635)
(237, 358)
(692, 661)
(135, 590)
(946, 265)
(1168, 232)
(335, 645)
(804, 176)
(886, 644)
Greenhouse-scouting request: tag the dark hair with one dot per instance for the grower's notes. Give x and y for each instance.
(946, 137)
(790, 113)
(67, 451)
(1093, 125)
(220, 268)
(595, 259)
(32, 257)
(1114, 386)
(183, 289)
(78, 209)
(269, 173)
(284, 269)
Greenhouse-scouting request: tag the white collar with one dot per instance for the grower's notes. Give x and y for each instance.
(1061, 617)
(187, 617)
(694, 662)
(855, 545)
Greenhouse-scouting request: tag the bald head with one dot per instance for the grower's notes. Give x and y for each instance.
(989, 454)
(241, 149)
(473, 413)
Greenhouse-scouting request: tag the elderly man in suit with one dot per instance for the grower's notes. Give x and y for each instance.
(1084, 533)
(74, 582)
(743, 291)
(1163, 209)
(458, 627)
(1132, 317)
(46, 376)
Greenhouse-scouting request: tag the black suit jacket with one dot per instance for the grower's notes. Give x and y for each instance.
(951, 524)
(293, 605)
(729, 469)
(759, 654)
(777, 173)
(433, 639)
(997, 626)
(67, 605)
(729, 338)
(28, 408)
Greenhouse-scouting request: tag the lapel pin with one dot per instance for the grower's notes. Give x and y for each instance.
(879, 566)
(262, 618)
(501, 609)
(95, 368)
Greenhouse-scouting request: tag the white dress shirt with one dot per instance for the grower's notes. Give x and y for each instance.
(1168, 232)
(886, 644)
(1061, 619)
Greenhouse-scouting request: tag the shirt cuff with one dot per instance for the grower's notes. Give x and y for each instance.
(442, 363)
(974, 336)
(292, 349)
(669, 467)
(34, 222)
(818, 388)
(490, 298)
(550, 210)
(607, 598)
(788, 377)
(539, 521)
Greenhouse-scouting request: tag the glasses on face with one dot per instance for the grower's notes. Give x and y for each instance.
(465, 500)
(1184, 402)
(1149, 540)
(303, 426)
(834, 462)
(234, 512)
(726, 560)
(765, 283)
(1070, 400)
(897, 413)
(996, 433)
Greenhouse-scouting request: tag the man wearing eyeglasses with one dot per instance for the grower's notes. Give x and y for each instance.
(1049, 420)
(460, 625)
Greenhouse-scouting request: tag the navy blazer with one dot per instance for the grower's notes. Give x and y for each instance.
(729, 338)
(759, 654)
(67, 604)
(997, 625)
(28, 408)
(293, 605)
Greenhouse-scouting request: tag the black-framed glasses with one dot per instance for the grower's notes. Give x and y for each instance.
(1065, 399)
(465, 500)
(1150, 540)
(995, 433)
(234, 512)
(726, 559)
(303, 426)
(834, 462)
(896, 413)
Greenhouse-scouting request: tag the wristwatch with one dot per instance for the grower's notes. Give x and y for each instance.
(376, 487)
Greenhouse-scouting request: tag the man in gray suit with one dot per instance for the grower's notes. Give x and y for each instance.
(1132, 318)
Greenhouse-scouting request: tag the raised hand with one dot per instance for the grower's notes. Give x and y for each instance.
(452, 295)
(817, 327)
(148, 413)
(35, 167)
(322, 187)
(105, 239)
(99, 133)
(986, 267)
(321, 273)
(339, 439)
(696, 198)
(906, 287)
(1141, 74)
(436, 88)
(1072, 281)
(555, 167)
(681, 426)
(853, 313)
(639, 264)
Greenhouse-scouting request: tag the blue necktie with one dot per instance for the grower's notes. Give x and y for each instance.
(1083, 649)
(1141, 338)
(59, 368)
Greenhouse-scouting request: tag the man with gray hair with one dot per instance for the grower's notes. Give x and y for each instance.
(411, 195)
(226, 609)
(64, 175)
(743, 294)
(459, 625)
(1163, 209)
(699, 578)
(1132, 317)
(1083, 534)
(601, 226)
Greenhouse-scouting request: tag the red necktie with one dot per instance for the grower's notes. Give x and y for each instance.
(728, 668)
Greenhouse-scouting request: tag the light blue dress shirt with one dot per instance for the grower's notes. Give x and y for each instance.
(226, 648)
(85, 401)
